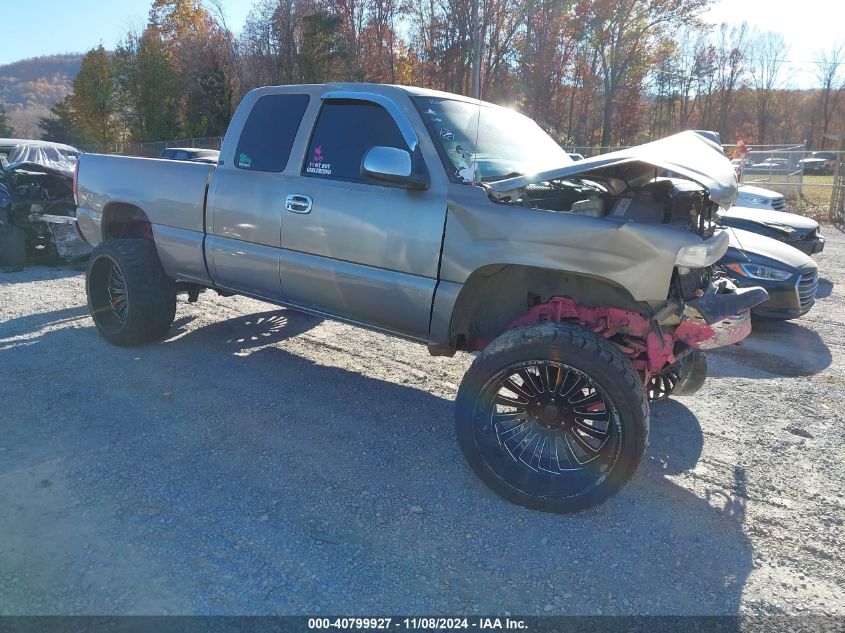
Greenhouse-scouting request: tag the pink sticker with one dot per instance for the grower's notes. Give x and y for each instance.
(316, 165)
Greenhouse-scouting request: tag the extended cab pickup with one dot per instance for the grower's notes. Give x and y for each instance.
(586, 288)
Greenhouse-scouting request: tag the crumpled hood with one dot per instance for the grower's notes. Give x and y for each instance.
(688, 154)
(756, 244)
(771, 218)
(37, 168)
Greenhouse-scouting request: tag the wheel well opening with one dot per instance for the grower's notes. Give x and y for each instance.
(123, 221)
(494, 296)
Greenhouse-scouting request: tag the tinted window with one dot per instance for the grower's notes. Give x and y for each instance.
(345, 130)
(269, 132)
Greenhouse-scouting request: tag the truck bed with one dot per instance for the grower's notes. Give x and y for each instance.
(171, 192)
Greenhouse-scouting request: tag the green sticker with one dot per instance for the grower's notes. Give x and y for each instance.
(244, 160)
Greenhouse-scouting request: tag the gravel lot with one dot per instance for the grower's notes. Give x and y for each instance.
(263, 461)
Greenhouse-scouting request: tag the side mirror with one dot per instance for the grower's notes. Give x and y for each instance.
(393, 166)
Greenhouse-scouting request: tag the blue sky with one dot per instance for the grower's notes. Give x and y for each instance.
(43, 27)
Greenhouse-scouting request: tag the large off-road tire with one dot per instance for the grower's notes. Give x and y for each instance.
(131, 299)
(552, 417)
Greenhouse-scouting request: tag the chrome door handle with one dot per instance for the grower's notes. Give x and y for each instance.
(297, 203)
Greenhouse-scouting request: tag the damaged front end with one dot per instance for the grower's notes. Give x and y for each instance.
(38, 216)
(681, 181)
(664, 349)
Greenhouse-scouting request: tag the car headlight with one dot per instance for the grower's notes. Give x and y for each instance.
(703, 254)
(752, 199)
(758, 271)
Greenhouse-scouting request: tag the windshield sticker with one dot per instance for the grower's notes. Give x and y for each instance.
(317, 164)
(465, 166)
(446, 135)
(431, 113)
(465, 153)
(244, 160)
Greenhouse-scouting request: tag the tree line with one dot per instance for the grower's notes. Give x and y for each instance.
(591, 72)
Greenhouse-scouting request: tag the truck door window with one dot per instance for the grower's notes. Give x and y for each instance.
(269, 131)
(344, 131)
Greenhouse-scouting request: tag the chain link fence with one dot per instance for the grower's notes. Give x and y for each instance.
(776, 167)
(153, 149)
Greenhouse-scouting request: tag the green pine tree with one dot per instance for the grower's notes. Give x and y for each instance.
(94, 99)
(60, 126)
(5, 126)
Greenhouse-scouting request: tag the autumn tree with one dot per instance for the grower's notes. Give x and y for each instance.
(201, 55)
(829, 76)
(292, 41)
(548, 71)
(5, 126)
(622, 31)
(769, 51)
(730, 69)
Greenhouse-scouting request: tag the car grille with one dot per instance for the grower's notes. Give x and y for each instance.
(810, 235)
(808, 284)
(779, 204)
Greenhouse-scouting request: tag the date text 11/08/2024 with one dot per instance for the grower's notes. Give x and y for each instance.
(417, 623)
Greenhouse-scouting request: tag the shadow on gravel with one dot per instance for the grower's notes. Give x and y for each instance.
(825, 288)
(255, 481)
(781, 348)
(247, 332)
(675, 440)
(33, 322)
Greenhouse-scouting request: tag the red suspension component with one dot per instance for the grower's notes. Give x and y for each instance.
(648, 350)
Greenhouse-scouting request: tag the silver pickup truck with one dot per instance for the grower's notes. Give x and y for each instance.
(586, 289)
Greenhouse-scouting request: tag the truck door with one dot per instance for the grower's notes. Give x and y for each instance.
(246, 199)
(354, 248)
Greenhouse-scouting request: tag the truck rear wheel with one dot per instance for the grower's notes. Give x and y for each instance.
(552, 417)
(131, 299)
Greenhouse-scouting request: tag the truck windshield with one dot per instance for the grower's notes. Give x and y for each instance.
(486, 143)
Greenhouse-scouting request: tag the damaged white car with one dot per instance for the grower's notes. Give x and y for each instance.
(37, 209)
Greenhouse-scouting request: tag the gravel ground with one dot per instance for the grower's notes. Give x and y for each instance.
(263, 461)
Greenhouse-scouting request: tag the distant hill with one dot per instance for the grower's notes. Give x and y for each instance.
(30, 86)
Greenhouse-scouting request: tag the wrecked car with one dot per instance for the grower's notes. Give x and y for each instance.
(37, 208)
(752, 197)
(796, 230)
(586, 289)
(790, 277)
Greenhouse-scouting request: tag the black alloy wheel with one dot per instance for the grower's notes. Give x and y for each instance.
(553, 417)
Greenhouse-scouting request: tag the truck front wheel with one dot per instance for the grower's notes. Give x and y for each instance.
(552, 417)
(131, 299)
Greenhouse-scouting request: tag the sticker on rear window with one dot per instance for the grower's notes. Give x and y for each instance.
(244, 161)
(317, 164)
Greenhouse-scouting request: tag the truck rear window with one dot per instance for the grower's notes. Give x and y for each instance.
(269, 131)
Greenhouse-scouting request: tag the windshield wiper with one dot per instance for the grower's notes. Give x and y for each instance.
(513, 174)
